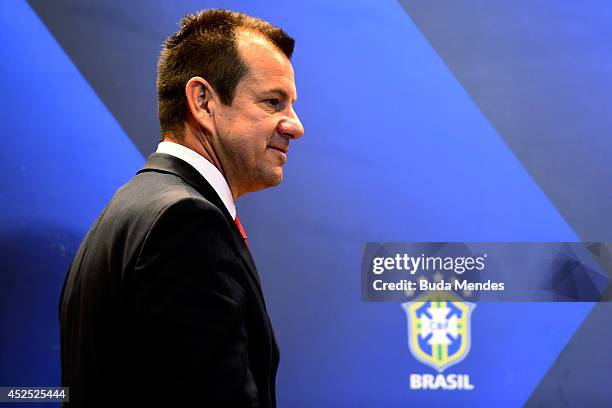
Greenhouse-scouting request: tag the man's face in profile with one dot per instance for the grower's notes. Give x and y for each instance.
(255, 130)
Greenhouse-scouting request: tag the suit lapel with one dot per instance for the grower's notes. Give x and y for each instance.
(166, 163)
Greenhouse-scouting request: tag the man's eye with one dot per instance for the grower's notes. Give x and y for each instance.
(272, 102)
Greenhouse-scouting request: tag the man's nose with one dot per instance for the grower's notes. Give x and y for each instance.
(292, 126)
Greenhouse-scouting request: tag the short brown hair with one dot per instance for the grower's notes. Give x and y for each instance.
(206, 46)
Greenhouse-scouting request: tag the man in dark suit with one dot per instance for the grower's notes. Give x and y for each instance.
(163, 302)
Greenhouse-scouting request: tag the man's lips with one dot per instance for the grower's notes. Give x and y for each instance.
(280, 148)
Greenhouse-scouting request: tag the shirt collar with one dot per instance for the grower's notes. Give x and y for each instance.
(205, 168)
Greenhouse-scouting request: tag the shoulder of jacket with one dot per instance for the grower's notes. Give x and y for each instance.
(155, 194)
(187, 205)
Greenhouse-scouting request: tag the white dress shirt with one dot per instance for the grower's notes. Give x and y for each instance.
(205, 168)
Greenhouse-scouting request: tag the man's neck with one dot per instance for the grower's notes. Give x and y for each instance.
(197, 141)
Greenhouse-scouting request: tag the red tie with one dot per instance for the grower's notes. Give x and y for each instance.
(242, 232)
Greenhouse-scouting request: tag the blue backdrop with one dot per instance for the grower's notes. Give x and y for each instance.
(425, 121)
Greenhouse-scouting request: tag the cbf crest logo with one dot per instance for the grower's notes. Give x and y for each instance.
(439, 336)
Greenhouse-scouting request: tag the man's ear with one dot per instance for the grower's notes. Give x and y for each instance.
(201, 102)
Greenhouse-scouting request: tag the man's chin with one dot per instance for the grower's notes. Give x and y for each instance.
(277, 179)
(271, 179)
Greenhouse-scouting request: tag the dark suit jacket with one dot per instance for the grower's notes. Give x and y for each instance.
(163, 303)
